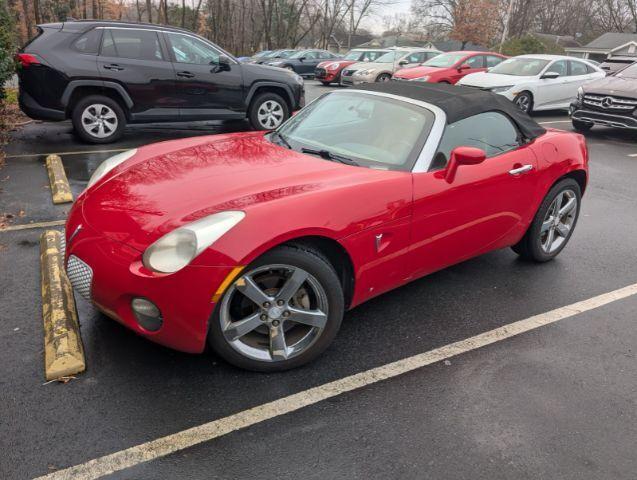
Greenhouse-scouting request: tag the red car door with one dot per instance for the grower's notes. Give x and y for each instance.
(487, 206)
(473, 64)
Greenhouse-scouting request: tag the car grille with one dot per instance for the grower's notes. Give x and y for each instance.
(609, 102)
(80, 275)
(320, 73)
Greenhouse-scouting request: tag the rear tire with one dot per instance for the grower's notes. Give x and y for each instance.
(268, 111)
(536, 245)
(255, 347)
(98, 119)
(581, 127)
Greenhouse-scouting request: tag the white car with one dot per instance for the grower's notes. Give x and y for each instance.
(536, 82)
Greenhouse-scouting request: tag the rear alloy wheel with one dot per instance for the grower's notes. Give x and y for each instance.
(383, 77)
(524, 102)
(553, 224)
(268, 111)
(98, 119)
(282, 312)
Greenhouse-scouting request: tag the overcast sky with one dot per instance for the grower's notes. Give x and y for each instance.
(375, 22)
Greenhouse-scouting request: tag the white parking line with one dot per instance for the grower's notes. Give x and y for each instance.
(84, 152)
(208, 431)
(555, 121)
(633, 155)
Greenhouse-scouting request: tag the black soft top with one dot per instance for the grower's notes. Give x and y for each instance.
(459, 102)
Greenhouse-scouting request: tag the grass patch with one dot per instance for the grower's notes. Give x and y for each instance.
(11, 96)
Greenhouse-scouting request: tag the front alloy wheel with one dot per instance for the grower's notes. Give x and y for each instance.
(279, 314)
(268, 111)
(524, 102)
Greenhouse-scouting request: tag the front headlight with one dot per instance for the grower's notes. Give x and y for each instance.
(176, 249)
(580, 94)
(331, 66)
(365, 72)
(108, 165)
(501, 89)
(421, 79)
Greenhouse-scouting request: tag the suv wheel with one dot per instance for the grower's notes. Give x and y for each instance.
(98, 119)
(268, 111)
(581, 126)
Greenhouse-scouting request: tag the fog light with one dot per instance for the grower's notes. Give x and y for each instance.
(147, 314)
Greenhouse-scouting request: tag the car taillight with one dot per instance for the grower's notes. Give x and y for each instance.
(27, 59)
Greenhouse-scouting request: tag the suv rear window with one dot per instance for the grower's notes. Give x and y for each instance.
(128, 43)
(89, 42)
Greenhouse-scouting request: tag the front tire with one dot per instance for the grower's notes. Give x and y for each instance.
(98, 119)
(553, 224)
(282, 312)
(383, 77)
(581, 127)
(524, 101)
(268, 111)
(325, 84)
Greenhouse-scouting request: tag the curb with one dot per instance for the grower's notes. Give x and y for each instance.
(63, 350)
(60, 188)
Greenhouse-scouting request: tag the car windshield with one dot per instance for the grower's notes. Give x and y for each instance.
(353, 55)
(300, 54)
(265, 53)
(521, 67)
(444, 60)
(369, 130)
(628, 72)
(286, 53)
(390, 57)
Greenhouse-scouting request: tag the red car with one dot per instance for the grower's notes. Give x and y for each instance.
(258, 243)
(450, 67)
(330, 71)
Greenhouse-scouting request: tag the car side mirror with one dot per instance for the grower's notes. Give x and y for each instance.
(366, 60)
(464, 66)
(463, 156)
(222, 64)
(301, 59)
(550, 75)
(402, 63)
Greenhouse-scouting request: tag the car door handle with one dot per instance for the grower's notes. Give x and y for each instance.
(185, 74)
(113, 66)
(521, 170)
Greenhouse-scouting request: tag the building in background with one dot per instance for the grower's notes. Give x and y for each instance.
(609, 44)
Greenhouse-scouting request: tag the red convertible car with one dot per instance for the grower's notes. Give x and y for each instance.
(257, 243)
(450, 67)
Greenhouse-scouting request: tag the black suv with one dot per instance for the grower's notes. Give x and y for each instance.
(610, 101)
(103, 75)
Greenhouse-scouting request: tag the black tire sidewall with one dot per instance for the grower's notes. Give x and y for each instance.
(534, 246)
(259, 100)
(317, 266)
(76, 118)
(581, 126)
(382, 75)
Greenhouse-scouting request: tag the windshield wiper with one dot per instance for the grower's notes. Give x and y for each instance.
(327, 155)
(282, 139)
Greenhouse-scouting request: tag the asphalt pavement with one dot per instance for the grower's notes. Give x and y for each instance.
(559, 401)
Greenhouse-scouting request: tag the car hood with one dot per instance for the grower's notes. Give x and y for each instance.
(417, 72)
(490, 80)
(624, 87)
(340, 63)
(169, 184)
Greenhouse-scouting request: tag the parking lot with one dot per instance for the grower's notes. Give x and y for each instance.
(512, 402)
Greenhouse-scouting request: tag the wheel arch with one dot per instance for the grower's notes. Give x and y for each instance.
(270, 87)
(337, 255)
(77, 89)
(578, 175)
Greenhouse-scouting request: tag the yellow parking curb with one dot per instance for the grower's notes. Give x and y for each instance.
(63, 351)
(60, 188)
